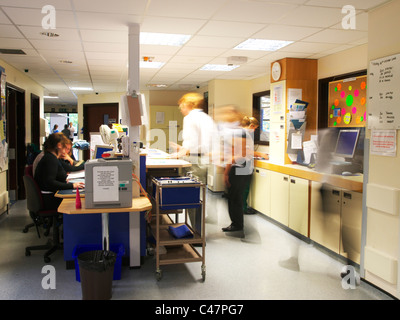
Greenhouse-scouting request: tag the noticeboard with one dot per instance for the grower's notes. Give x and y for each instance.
(384, 93)
(347, 102)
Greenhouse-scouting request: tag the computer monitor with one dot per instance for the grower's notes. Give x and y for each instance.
(346, 143)
(99, 150)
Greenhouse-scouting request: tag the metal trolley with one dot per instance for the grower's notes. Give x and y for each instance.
(173, 196)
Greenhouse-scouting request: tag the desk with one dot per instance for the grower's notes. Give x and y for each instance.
(138, 204)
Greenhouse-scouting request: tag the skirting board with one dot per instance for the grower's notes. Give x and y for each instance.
(383, 198)
(4, 199)
(381, 265)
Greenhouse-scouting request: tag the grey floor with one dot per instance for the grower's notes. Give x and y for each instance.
(238, 267)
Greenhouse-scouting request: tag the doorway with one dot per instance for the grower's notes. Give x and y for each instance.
(94, 115)
(16, 134)
(35, 120)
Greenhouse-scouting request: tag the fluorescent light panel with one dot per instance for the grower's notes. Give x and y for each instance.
(262, 44)
(163, 39)
(80, 89)
(151, 65)
(219, 67)
(50, 97)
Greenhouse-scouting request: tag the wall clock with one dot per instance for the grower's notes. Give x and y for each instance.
(276, 71)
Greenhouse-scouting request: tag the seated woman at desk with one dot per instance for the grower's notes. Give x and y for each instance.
(50, 175)
(67, 159)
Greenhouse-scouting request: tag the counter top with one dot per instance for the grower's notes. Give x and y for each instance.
(354, 183)
(138, 204)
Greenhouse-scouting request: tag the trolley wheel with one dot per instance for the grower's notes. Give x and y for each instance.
(203, 273)
(47, 259)
(25, 230)
(27, 253)
(158, 275)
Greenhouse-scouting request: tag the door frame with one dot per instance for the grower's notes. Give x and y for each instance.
(16, 173)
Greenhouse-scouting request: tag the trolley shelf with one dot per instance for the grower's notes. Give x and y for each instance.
(166, 239)
(178, 250)
(180, 254)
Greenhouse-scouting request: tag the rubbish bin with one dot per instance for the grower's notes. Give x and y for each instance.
(96, 273)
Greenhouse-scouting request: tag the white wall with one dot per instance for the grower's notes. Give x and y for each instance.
(382, 240)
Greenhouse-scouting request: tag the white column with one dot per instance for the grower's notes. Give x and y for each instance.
(134, 135)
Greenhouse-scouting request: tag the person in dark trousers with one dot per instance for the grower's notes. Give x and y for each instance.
(50, 175)
(66, 131)
(239, 166)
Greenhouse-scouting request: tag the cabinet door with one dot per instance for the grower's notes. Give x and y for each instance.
(260, 191)
(298, 205)
(325, 215)
(351, 225)
(280, 197)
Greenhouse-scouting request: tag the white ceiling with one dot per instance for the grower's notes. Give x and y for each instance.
(93, 35)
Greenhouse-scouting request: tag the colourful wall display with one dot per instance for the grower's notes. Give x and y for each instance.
(347, 102)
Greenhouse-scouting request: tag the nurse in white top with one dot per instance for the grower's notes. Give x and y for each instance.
(200, 139)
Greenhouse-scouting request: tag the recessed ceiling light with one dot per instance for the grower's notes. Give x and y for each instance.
(50, 97)
(219, 67)
(80, 89)
(262, 44)
(50, 34)
(151, 65)
(163, 39)
(150, 85)
(65, 61)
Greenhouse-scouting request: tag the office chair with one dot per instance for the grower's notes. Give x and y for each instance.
(37, 220)
(35, 205)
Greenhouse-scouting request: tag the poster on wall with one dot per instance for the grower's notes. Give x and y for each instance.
(347, 102)
(383, 142)
(384, 93)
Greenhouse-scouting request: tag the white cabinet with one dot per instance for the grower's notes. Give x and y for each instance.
(280, 197)
(351, 220)
(325, 216)
(260, 191)
(298, 205)
(289, 201)
(336, 219)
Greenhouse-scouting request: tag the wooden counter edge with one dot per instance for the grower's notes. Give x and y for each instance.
(67, 206)
(335, 180)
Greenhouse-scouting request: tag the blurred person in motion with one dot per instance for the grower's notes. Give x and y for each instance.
(55, 129)
(238, 161)
(250, 124)
(72, 131)
(198, 133)
(50, 175)
(66, 131)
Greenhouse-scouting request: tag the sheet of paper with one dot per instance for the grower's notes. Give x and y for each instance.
(297, 140)
(383, 142)
(76, 175)
(293, 94)
(105, 184)
(309, 147)
(160, 117)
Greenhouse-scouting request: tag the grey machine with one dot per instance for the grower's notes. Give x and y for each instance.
(108, 183)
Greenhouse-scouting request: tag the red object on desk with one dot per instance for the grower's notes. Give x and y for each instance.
(78, 203)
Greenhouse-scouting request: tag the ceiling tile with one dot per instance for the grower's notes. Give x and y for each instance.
(254, 12)
(136, 7)
(184, 9)
(171, 25)
(308, 16)
(230, 29)
(214, 42)
(104, 21)
(283, 32)
(357, 4)
(337, 36)
(34, 17)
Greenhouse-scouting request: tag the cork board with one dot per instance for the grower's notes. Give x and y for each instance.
(347, 102)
